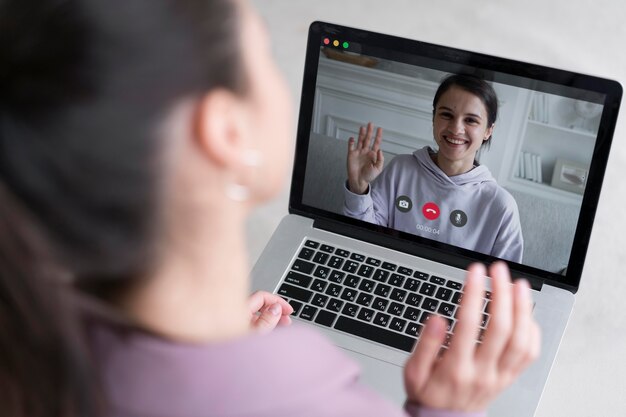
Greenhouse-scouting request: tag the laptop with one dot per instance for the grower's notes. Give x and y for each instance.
(371, 286)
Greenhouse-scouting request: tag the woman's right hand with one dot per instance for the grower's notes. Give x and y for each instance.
(364, 163)
(468, 377)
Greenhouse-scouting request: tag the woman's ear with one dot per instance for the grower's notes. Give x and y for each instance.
(221, 127)
(489, 132)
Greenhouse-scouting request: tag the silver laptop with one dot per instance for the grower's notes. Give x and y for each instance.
(371, 288)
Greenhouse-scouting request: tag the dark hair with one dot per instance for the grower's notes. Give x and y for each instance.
(478, 87)
(84, 86)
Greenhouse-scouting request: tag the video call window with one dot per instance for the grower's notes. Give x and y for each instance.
(529, 179)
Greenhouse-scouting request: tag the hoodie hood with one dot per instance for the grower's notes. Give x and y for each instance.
(477, 175)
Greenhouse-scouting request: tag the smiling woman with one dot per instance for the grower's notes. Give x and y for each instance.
(479, 214)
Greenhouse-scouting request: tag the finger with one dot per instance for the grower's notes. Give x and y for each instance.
(268, 319)
(261, 299)
(420, 365)
(499, 329)
(380, 160)
(285, 320)
(367, 140)
(351, 145)
(361, 138)
(518, 346)
(378, 139)
(463, 342)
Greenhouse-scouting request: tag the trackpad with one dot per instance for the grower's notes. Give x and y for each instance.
(383, 377)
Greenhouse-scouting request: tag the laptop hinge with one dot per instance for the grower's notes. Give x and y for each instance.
(412, 248)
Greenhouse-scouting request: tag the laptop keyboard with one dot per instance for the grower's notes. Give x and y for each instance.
(368, 297)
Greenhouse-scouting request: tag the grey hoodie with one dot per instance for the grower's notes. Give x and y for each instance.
(470, 210)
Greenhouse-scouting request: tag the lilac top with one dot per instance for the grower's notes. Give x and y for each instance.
(291, 371)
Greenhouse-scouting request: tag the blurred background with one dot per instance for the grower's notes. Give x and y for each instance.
(582, 35)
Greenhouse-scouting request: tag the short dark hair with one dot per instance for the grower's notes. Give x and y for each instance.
(476, 86)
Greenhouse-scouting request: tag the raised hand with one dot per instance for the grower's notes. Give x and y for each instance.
(364, 163)
(468, 376)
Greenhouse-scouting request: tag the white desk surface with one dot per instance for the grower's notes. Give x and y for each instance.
(582, 35)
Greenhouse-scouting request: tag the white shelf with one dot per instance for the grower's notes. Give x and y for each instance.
(544, 190)
(580, 132)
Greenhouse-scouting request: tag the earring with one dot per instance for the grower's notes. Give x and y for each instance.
(238, 192)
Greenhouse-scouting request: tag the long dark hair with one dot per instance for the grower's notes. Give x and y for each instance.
(478, 87)
(84, 86)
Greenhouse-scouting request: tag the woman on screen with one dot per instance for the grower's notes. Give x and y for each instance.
(442, 194)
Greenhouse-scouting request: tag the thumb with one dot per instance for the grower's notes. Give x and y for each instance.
(269, 318)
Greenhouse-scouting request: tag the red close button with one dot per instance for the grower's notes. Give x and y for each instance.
(430, 211)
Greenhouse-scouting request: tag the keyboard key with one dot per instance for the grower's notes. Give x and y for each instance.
(382, 290)
(388, 266)
(365, 271)
(425, 317)
(427, 289)
(350, 267)
(411, 284)
(311, 244)
(334, 304)
(454, 285)
(367, 285)
(444, 294)
(373, 262)
(350, 309)
(446, 309)
(430, 304)
(335, 262)
(302, 266)
(308, 312)
(319, 300)
(364, 299)
(327, 248)
(487, 305)
(420, 275)
(488, 295)
(396, 309)
(396, 280)
(405, 271)
(306, 253)
(319, 285)
(398, 295)
(336, 276)
(321, 272)
(365, 314)
(456, 298)
(380, 275)
(382, 319)
(325, 318)
(412, 313)
(298, 279)
(414, 299)
(380, 304)
(297, 305)
(375, 334)
(348, 294)
(357, 257)
(342, 252)
(333, 290)
(437, 280)
(321, 258)
(352, 281)
(414, 329)
(397, 324)
(484, 321)
(297, 293)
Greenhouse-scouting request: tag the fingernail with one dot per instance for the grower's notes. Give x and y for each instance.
(275, 309)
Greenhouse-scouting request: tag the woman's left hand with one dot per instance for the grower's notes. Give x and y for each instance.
(268, 310)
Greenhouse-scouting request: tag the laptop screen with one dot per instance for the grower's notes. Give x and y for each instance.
(469, 154)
